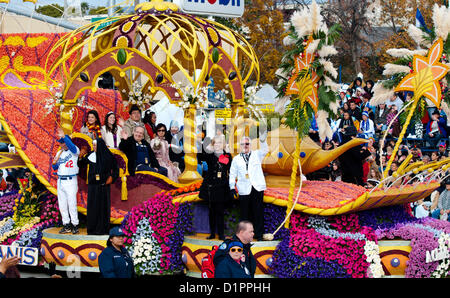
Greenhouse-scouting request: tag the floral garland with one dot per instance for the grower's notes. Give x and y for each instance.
(136, 97)
(7, 202)
(346, 245)
(165, 220)
(32, 211)
(424, 237)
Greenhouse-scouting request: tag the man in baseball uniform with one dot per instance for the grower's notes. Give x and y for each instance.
(66, 165)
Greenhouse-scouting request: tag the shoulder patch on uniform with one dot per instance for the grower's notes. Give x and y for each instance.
(223, 246)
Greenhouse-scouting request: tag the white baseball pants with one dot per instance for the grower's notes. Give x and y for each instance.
(67, 200)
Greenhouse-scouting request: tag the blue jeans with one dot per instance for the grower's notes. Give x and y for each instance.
(437, 214)
(144, 167)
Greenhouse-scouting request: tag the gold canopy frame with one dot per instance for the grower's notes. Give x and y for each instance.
(162, 48)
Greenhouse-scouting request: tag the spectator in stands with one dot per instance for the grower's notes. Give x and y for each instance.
(345, 107)
(380, 117)
(434, 156)
(160, 147)
(134, 121)
(150, 123)
(111, 131)
(393, 121)
(443, 149)
(11, 184)
(92, 125)
(435, 130)
(314, 130)
(394, 100)
(354, 111)
(416, 153)
(366, 127)
(421, 209)
(336, 173)
(443, 205)
(341, 124)
(357, 83)
(139, 153)
(368, 88)
(366, 107)
(426, 159)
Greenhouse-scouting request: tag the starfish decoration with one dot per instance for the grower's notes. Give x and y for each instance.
(306, 86)
(427, 71)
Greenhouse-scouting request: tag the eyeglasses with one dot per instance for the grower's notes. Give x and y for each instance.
(162, 130)
(245, 144)
(236, 250)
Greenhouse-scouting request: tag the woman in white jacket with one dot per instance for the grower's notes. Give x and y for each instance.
(111, 131)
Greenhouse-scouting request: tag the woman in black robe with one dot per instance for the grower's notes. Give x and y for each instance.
(102, 172)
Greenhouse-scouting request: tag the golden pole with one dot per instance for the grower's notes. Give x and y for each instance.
(66, 118)
(402, 133)
(190, 173)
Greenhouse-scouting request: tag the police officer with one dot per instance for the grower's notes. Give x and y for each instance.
(115, 261)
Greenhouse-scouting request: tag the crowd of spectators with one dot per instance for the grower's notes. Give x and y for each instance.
(426, 136)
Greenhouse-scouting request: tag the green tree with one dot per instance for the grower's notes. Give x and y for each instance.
(53, 10)
(98, 10)
(84, 8)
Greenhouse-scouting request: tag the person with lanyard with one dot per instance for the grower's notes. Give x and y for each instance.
(66, 165)
(102, 172)
(92, 126)
(115, 260)
(139, 153)
(111, 131)
(244, 234)
(247, 176)
(214, 188)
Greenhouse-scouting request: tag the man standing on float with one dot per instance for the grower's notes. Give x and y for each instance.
(66, 165)
(247, 176)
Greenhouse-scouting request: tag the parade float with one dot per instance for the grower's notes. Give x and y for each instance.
(315, 229)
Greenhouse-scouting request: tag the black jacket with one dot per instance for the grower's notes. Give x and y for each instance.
(222, 253)
(128, 147)
(352, 164)
(229, 268)
(116, 264)
(215, 185)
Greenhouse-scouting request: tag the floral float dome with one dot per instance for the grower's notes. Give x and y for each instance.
(159, 46)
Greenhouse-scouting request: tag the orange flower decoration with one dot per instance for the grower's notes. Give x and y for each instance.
(305, 87)
(424, 80)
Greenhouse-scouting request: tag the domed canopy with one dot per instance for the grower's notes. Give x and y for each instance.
(158, 46)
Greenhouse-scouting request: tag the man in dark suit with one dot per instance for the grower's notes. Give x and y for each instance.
(139, 153)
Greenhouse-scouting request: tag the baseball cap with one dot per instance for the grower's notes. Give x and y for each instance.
(442, 144)
(235, 243)
(116, 231)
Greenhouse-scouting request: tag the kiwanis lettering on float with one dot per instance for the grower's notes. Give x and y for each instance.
(28, 255)
(437, 254)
